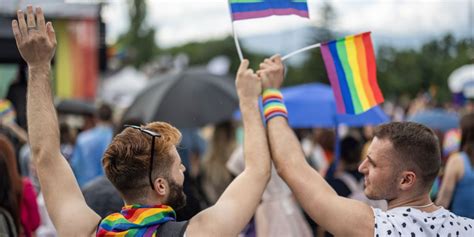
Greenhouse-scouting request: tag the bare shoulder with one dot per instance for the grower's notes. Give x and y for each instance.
(455, 164)
(455, 159)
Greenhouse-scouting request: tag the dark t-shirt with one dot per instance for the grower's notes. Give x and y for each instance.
(340, 187)
(172, 229)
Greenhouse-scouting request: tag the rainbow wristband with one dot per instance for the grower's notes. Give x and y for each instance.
(273, 105)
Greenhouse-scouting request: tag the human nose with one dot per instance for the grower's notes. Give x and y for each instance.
(363, 167)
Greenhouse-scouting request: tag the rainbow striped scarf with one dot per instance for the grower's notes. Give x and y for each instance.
(136, 220)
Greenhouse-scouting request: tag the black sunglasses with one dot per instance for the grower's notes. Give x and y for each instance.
(152, 155)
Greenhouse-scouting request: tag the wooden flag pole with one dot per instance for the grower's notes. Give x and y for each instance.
(300, 51)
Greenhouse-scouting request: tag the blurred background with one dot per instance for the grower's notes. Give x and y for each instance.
(136, 61)
(418, 43)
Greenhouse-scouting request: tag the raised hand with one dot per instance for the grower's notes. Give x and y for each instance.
(249, 85)
(271, 72)
(35, 40)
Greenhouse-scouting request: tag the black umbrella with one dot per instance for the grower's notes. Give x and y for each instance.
(78, 107)
(192, 98)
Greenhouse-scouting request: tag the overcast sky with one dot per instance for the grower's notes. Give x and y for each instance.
(181, 21)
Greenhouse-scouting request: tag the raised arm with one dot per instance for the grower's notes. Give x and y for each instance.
(315, 195)
(36, 42)
(452, 174)
(239, 201)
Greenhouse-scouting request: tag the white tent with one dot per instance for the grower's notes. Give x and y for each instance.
(461, 80)
(121, 88)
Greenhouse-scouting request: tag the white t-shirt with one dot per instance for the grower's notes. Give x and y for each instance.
(411, 222)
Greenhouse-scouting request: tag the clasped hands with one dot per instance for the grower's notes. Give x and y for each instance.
(250, 84)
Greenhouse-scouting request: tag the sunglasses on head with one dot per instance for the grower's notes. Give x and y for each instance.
(152, 155)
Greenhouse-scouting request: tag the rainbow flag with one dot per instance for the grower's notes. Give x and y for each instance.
(248, 9)
(136, 221)
(351, 67)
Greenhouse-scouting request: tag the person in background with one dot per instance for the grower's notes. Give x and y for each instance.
(215, 177)
(23, 196)
(8, 121)
(9, 203)
(90, 147)
(278, 214)
(14, 132)
(67, 141)
(351, 149)
(457, 187)
(325, 137)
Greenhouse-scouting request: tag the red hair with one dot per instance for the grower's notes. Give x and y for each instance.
(126, 161)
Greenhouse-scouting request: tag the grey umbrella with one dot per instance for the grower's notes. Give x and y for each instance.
(192, 98)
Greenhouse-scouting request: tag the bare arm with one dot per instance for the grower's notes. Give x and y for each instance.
(315, 195)
(452, 174)
(65, 203)
(239, 201)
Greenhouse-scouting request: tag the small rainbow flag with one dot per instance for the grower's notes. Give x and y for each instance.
(351, 67)
(248, 9)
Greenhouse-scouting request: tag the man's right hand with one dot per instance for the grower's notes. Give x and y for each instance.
(248, 84)
(272, 72)
(36, 40)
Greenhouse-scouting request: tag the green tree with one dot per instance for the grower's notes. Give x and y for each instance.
(139, 41)
(410, 71)
(200, 53)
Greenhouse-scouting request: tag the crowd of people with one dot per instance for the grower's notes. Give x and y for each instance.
(143, 179)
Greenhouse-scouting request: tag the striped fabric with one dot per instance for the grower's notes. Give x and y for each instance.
(248, 9)
(350, 63)
(7, 112)
(273, 104)
(136, 220)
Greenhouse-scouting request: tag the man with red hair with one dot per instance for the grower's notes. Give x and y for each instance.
(141, 162)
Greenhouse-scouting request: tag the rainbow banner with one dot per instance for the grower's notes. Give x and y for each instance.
(248, 9)
(76, 62)
(350, 63)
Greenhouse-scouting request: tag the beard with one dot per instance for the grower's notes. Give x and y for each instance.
(382, 192)
(176, 198)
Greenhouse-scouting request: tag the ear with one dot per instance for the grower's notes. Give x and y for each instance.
(407, 180)
(161, 186)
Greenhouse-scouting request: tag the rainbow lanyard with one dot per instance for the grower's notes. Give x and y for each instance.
(136, 220)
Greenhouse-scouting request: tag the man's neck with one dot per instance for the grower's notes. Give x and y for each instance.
(142, 202)
(422, 202)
